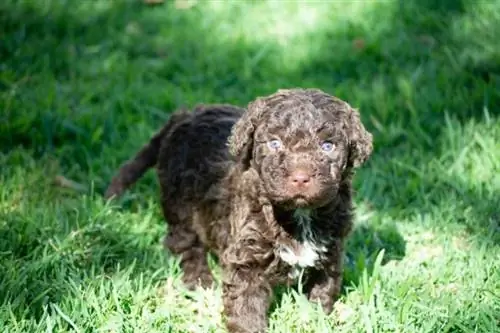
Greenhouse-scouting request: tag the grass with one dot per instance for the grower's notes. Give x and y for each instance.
(84, 84)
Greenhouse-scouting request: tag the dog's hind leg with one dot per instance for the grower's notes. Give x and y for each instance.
(183, 241)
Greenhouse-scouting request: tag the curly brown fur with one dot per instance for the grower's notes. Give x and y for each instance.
(277, 203)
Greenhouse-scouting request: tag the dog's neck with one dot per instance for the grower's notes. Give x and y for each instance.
(307, 244)
(303, 219)
(299, 223)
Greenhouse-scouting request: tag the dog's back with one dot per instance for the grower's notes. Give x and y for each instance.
(195, 156)
(189, 151)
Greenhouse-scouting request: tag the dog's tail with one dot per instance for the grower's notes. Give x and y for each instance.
(146, 158)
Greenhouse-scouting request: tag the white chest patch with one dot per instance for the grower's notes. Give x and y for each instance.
(308, 251)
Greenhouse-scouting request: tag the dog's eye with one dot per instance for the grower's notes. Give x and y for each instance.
(327, 146)
(274, 144)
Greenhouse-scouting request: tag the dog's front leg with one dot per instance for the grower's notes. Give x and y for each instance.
(246, 292)
(325, 285)
(246, 299)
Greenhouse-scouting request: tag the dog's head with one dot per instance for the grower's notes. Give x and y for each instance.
(300, 142)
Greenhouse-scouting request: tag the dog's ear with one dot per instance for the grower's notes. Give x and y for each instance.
(360, 140)
(240, 141)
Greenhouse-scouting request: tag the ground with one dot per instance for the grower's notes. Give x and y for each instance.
(84, 84)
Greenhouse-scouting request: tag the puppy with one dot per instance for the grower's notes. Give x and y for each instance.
(267, 189)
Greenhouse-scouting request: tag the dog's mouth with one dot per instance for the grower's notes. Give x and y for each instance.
(297, 201)
(300, 201)
(306, 199)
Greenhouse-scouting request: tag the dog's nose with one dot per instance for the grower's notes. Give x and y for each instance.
(300, 178)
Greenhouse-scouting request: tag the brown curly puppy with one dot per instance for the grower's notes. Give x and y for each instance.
(277, 203)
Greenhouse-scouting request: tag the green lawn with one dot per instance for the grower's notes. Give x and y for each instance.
(83, 84)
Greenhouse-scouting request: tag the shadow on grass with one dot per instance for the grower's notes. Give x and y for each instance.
(365, 243)
(71, 74)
